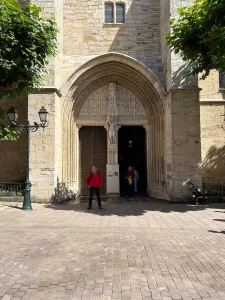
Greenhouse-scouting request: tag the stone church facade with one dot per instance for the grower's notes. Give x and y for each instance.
(113, 64)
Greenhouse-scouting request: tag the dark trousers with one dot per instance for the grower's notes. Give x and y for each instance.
(129, 190)
(95, 190)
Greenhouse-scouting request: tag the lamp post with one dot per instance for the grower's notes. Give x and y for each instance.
(13, 116)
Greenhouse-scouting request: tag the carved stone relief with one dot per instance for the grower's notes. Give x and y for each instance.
(112, 99)
(97, 104)
(128, 104)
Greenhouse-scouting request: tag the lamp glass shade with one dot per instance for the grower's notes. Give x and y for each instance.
(12, 115)
(43, 115)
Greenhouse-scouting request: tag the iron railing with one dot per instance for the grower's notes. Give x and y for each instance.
(215, 191)
(11, 189)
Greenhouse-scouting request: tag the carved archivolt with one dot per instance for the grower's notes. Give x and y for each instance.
(98, 104)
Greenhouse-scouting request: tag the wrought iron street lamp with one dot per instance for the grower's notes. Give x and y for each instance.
(13, 116)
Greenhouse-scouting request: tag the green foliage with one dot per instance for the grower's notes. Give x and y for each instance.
(198, 35)
(26, 40)
(7, 133)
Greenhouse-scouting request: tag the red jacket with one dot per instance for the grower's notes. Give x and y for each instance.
(131, 174)
(94, 180)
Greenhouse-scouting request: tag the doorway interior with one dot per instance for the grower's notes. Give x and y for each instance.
(132, 152)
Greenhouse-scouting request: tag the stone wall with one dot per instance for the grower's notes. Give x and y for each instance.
(212, 101)
(87, 36)
(13, 153)
(213, 142)
(210, 87)
(186, 143)
(183, 148)
(53, 9)
(164, 30)
(45, 147)
(45, 156)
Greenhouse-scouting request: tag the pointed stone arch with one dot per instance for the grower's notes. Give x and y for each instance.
(114, 67)
(141, 82)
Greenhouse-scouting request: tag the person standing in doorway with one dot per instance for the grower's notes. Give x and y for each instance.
(130, 177)
(136, 179)
(94, 182)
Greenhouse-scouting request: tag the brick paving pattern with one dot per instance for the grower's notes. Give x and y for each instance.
(135, 250)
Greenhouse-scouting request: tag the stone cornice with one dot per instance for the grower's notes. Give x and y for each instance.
(52, 89)
(212, 101)
(178, 88)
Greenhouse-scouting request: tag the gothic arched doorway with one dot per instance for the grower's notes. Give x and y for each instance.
(140, 101)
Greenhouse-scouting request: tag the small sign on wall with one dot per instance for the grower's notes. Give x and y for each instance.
(113, 182)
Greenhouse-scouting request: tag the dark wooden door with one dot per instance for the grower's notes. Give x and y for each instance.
(93, 152)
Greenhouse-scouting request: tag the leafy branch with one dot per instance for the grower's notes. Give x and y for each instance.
(26, 42)
(198, 35)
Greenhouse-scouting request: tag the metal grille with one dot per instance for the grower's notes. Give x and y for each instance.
(11, 189)
(215, 191)
(93, 152)
(120, 13)
(222, 80)
(109, 13)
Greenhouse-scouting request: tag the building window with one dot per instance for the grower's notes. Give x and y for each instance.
(221, 80)
(120, 13)
(109, 13)
(114, 14)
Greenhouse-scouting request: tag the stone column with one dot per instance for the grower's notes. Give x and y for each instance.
(45, 150)
(112, 154)
(112, 159)
(78, 159)
(112, 149)
(112, 140)
(148, 163)
(111, 126)
(186, 141)
(182, 115)
(45, 154)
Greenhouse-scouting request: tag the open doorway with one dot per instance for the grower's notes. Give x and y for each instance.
(132, 152)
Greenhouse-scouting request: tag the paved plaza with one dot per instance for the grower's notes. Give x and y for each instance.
(129, 250)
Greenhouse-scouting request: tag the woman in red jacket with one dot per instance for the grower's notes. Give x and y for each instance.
(94, 182)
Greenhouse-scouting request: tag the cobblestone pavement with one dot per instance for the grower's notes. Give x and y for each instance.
(128, 250)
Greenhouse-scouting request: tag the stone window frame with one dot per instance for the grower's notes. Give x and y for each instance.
(114, 3)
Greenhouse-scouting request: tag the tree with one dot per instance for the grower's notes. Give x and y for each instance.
(198, 35)
(26, 41)
(7, 133)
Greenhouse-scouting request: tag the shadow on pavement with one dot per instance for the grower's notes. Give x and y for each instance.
(130, 207)
(214, 231)
(12, 206)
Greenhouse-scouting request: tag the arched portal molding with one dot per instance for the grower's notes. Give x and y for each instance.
(118, 68)
(136, 78)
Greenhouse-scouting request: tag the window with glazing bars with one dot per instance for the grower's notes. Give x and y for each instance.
(221, 80)
(120, 13)
(109, 13)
